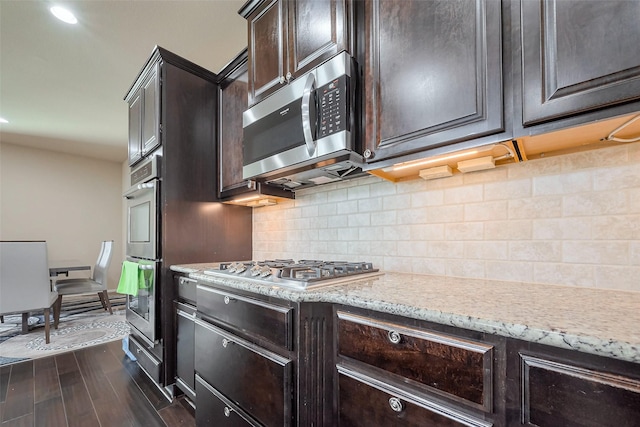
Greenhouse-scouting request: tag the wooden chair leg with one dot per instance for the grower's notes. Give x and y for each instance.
(57, 307)
(47, 313)
(105, 299)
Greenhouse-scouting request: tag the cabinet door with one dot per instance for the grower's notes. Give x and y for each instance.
(578, 56)
(233, 102)
(434, 75)
(561, 394)
(318, 30)
(267, 49)
(135, 121)
(185, 342)
(151, 112)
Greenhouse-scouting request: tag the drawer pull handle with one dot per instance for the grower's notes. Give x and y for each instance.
(226, 342)
(228, 299)
(227, 411)
(394, 337)
(396, 404)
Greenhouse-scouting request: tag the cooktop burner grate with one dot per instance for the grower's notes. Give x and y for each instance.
(301, 274)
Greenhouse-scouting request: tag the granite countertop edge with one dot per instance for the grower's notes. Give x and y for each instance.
(351, 295)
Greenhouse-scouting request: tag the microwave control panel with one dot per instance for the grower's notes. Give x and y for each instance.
(333, 106)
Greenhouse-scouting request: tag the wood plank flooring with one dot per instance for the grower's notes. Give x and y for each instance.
(95, 386)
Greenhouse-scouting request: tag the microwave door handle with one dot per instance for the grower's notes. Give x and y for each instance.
(309, 87)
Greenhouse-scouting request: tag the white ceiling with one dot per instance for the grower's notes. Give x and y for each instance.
(62, 86)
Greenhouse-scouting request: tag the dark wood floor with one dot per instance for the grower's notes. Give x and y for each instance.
(95, 386)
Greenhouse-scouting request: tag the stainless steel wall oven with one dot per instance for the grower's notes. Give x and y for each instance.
(143, 237)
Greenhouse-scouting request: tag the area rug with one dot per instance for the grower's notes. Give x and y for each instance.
(74, 331)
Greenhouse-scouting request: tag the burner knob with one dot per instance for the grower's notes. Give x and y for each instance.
(240, 268)
(232, 267)
(265, 271)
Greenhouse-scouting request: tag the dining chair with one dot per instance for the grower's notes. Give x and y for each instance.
(97, 283)
(24, 282)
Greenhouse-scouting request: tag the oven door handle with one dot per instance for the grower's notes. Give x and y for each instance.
(305, 112)
(130, 193)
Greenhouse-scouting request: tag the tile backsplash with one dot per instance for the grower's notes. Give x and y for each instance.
(572, 220)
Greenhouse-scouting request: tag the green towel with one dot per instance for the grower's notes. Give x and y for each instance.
(129, 279)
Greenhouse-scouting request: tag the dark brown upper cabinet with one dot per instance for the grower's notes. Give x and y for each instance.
(144, 113)
(232, 101)
(433, 72)
(289, 37)
(578, 56)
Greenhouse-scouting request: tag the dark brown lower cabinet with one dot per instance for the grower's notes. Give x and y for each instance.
(257, 380)
(367, 402)
(583, 392)
(213, 409)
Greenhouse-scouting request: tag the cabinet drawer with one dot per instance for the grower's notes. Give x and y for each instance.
(364, 401)
(557, 394)
(256, 379)
(213, 409)
(145, 359)
(451, 366)
(252, 316)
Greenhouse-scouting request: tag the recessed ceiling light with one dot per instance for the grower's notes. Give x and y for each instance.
(64, 15)
(3, 120)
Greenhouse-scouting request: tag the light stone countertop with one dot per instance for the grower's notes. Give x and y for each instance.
(596, 321)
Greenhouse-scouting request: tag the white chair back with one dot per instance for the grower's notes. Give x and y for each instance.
(24, 277)
(102, 264)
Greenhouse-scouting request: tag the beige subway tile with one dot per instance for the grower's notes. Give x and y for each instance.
(427, 266)
(330, 234)
(401, 201)
(604, 157)
(431, 232)
(412, 249)
(537, 207)
(412, 186)
(617, 227)
(327, 209)
(502, 190)
(397, 232)
(624, 278)
(349, 207)
(412, 216)
(509, 271)
(536, 167)
(615, 178)
(474, 269)
(445, 249)
(337, 195)
(360, 192)
(595, 252)
(372, 205)
(574, 228)
(520, 229)
(309, 211)
(465, 194)
(449, 213)
(481, 177)
(382, 188)
(338, 221)
(486, 250)
(359, 220)
(535, 250)
(427, 198)
(634, 254)
(486, 211)
(464, 231)
(576, 182)
(564, 274)
(383, 217)
(633, 196)
(398, 264)
(592, 204)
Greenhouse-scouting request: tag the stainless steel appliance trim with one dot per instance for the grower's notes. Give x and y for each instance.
(136, 196)
(295, 158)
(306, 114)
(146, 327)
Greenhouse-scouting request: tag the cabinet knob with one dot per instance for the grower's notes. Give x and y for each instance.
(396, 404)
(394, 337)
(226, 342)
(289, 77)
(228, 299)
(227, 411)
(282, 80)
(368, 154)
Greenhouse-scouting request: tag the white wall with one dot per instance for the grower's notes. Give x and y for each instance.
(572, 220)
(72, 202)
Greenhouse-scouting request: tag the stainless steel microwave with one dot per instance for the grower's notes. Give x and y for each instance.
(306, 133)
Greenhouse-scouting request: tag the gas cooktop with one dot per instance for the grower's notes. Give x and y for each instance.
(303, 274)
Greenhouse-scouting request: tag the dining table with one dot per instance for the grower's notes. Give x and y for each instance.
(59, 267)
